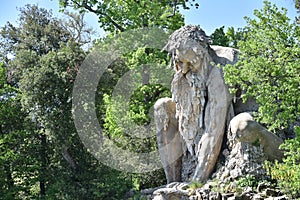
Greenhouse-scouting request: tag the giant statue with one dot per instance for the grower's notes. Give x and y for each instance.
(191, 125)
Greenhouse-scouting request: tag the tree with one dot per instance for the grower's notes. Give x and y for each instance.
(230, 38)
(116, 15)
(219, 37)
(268, 70)
(297, 6)
(39, 33)
(17, 141)
(234, 36)
(75, 24)
(46, 62)
(269, 66)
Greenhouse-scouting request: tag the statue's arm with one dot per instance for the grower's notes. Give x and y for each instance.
(215, 118)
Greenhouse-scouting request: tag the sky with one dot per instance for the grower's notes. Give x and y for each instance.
(210, 15)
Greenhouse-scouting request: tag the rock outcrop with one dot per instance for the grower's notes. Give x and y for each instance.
(249, 145)
(210, 191)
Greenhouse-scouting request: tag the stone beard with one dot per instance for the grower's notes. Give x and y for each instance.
(201, 109)
(189, 92)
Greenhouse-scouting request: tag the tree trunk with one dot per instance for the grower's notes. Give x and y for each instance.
(10, 180)
(44, 165)
(67, 156)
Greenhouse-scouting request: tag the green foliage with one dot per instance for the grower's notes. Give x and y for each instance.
(297, 5)
(287, 173)
(269, 71)
(143, 99)
(268, 68)
(230, 38)
(219, 37)
(38, 137)
(195, 184)
(234, 36)
(118, 129)
(38, 140)
(18, 170)
(117, 15)
(110, 126)
(38, 32)
(248, 181)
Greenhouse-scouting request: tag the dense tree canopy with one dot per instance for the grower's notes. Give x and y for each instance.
(16, 140)
(218, 37)
(120, 16)
(47, 158)
(117, 15)
(268, 70)
(269, 66)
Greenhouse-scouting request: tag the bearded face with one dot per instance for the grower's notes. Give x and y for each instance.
(188, 60)
(188, 47)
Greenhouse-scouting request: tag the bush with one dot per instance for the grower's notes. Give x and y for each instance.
(287, 173)
(248, 181)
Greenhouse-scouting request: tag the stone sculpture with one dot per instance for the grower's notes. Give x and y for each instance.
(190, 127)
(244, 129)
(168, 138)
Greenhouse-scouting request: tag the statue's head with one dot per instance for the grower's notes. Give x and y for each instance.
(188, 47)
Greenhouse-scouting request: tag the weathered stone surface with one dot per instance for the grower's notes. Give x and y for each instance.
(244, 159)
(257, 197)
(225, 196)
(247, 196)
(245, 129)
(284, 197)
(261, 187)
(191, 125)
(271, 192)
(239, 106)
(172, 191)
(215, 196)
(235, 198)
(168, 138)
(202, 98)
(182, 191)
(249, 145)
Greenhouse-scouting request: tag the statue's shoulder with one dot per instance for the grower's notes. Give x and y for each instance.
(225, 55)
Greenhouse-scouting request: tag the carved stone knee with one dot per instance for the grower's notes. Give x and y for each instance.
(245, 129)
(168, 138)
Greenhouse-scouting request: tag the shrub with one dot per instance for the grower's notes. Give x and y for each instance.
(287, 173)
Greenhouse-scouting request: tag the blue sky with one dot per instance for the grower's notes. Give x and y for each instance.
(210, 15)
(213, 14)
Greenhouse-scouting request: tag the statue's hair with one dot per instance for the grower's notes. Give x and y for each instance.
(189, 34)
(184, 34)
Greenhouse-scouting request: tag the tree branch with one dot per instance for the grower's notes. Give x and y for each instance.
(89, 8)
(67, 156)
